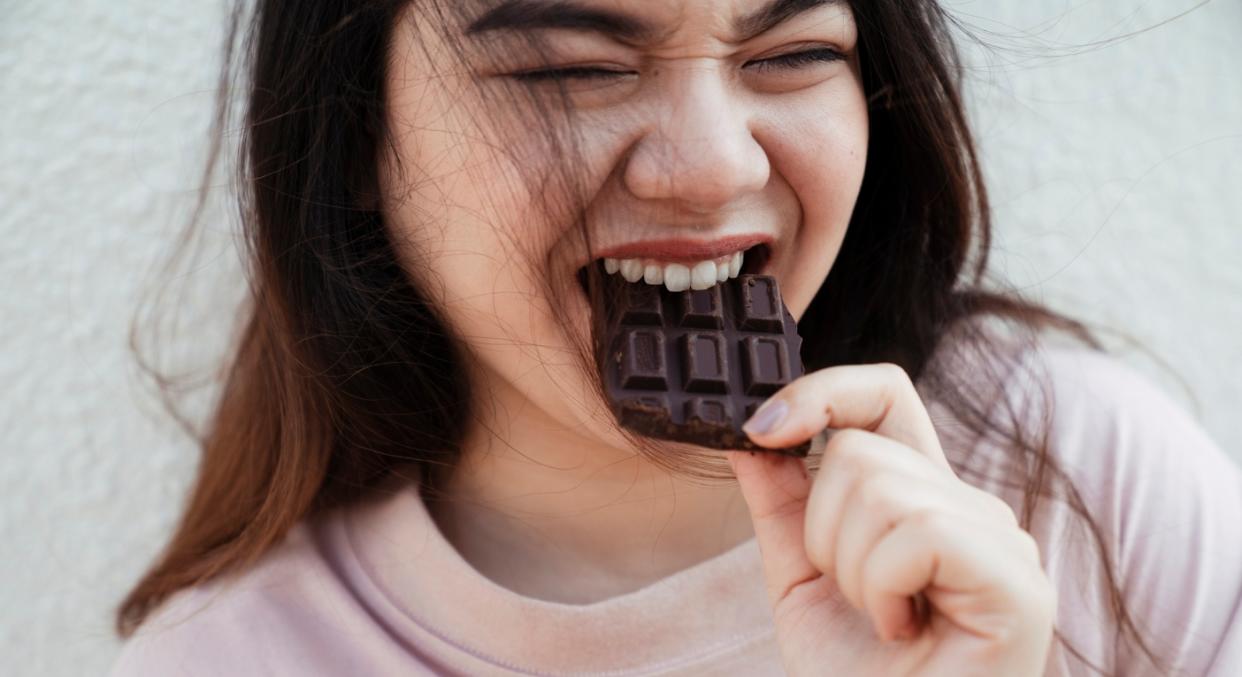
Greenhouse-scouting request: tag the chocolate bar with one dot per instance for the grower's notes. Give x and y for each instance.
(693, 366)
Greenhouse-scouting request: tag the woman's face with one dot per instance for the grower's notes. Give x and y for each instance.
(689, 130)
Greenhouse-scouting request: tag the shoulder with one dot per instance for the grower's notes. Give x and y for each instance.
(1114, 429)
(263, 620)
(1162, 497)
(1169, 500)
(1142, 461)
(1169, 503)
(1097, 412)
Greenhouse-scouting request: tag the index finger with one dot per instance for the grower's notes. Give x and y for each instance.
(879, 398)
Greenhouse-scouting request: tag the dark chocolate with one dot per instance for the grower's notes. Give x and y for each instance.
(693, 366)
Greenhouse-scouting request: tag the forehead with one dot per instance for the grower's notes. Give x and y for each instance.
(641, 21)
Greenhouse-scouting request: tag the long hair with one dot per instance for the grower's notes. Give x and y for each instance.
(344, 373)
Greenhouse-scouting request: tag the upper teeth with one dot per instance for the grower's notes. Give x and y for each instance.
(676, 276)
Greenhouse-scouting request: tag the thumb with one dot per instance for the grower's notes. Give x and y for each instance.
(776, 488)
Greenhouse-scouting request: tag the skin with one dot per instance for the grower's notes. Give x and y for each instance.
(694, 139)
(886, 519)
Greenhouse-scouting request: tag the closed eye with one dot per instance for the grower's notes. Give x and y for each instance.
(792, 60)
(797, 59)
(571, 73)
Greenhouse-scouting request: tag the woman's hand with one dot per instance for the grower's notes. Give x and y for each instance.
(948, 579)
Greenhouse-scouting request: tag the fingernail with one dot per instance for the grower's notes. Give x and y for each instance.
(767, 418)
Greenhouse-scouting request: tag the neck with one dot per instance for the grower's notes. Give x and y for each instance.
(550, 514)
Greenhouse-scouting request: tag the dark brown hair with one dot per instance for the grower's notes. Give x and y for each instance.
(344, 373)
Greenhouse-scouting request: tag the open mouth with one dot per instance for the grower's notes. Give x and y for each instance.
(679, 277)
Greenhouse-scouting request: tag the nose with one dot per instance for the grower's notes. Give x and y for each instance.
(699, 150)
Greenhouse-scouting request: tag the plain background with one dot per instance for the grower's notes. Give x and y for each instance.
(1113, 164)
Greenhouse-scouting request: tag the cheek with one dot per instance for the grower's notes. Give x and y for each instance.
(825, 150)
(469, 239)
(462, 216)
(474, 236)
(819, 146)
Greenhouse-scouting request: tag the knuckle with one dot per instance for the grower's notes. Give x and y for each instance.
(834, 446)
(1003, 510)
(877, 495)
(1029, 545)
(895, 373)
(1033, 597)
(845, 442)
(791, 392)
(830, 412)
(847, 456)
(931, 520)
(1038, 599)
(1007, 630)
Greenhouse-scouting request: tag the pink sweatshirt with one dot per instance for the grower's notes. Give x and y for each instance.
(377, 590)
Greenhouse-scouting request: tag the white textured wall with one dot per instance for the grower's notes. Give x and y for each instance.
(1115, 176)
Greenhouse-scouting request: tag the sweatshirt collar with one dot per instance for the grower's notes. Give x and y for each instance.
(713, 607)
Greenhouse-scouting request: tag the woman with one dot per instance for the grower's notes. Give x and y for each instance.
(412, 468)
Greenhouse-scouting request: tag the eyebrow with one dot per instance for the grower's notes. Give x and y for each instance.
(516, 15)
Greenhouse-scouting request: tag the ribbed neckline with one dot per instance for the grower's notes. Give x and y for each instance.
(710, 608)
